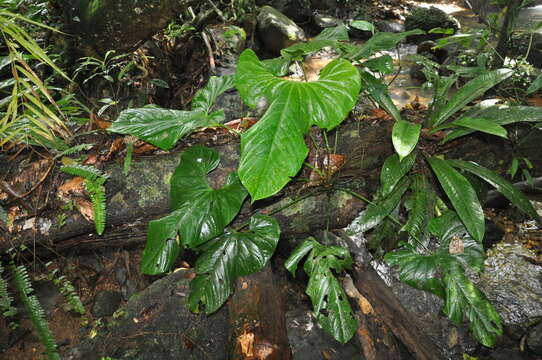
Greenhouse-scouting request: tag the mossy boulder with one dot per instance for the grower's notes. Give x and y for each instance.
(430, 18)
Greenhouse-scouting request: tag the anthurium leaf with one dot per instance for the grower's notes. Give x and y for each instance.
(205, 211)
(277, 66)
(462, 195)
(329, 302)
(362, 25)
(381, 41)
(393, 170)
(160, 127)
(480, 124)
(273, 150)
(339, 32)
(405, 136)
(417, 270)
(228, 257)
(419, 207)
(535, 85)
(299, 50)
(205, 97)
(376, 212)
(500, 115)
(161, 248)
(379, 92)
(464, 299)
(515, 196)
(468, 92)
(299, 253)
(383, 64)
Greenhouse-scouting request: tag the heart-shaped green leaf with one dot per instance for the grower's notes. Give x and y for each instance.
(404, 137)
(228, 257)
(205, 211)
(205, 97)
(161, 248)
(273, 150)
(462, 195)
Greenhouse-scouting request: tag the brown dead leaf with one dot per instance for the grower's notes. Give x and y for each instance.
(84, 207)
(91, 159)
(536, 100)
(332, 163)
(241, 124)
(378, 113)
(73, 186)
(144, 148)
(457, 246)
(98, 123)
(116, 145)
(246, 342)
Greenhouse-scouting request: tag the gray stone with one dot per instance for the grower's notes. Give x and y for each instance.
(534, 340)
(229, 40)
(48, 295)
(276, 30)
(323, 21)
(106, 303)
(390, 26)
(513, 284)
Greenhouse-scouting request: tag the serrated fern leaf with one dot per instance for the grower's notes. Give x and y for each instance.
(37, 315)
(5, 298)
(67, 289)
(74, 149)
(97, 196)
(86, 172)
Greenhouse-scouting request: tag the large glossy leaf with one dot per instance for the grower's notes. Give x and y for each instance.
(515, 196)
(376, 212)
(299, 50)
(501, 115)
(393, 170)
(273, 150)
(382, 64)
(535, 85)
(464, 299)
(339, 32)
(468, 92)
(160, 127)
(381, 41)
(204, 211)
(161, 248)
(462, 195)
(228, 257)
(330, 303)
(205, 97)
(379, 92)
(480, 124)
(405, 136)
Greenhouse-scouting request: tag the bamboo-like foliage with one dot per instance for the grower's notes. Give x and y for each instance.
(29, 113)
(37, 315)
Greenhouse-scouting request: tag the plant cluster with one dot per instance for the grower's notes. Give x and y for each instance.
(430, 18)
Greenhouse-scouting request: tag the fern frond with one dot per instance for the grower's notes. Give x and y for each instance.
(86, 172)
(97, 196)
(67, 289)
(5, 298)
(37, 315)
(74, 149)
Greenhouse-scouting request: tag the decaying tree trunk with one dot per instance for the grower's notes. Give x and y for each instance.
(257, 319)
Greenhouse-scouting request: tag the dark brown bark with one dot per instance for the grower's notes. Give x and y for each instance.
(257, 319)
(387, 307)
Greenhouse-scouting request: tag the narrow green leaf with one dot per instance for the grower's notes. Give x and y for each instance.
(515, 196)
(501, 115)
(381, 41)
(160, 127)
(299, 50)
(394, 170)
(205, 211)
(535, 85)
(362, 25)
(379, 92)
(339, 32)
(161, 248)
(481, 124)
(376, 212)
(419, 209)
(228, 257)
(205, 98)
(462, 195)
(405, 137)
(470, 91)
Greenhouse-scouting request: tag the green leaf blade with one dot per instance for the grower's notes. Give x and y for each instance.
(483, 125)
(393, 170)
(405, 136)
(204, 99)
(462, 196)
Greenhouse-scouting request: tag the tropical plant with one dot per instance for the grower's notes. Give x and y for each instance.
(94, 181)
(30, 113)
(273, 151)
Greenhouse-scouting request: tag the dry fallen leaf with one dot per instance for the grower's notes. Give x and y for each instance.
(73, 186)
(246, 342)
(332, 163)
(85, 208)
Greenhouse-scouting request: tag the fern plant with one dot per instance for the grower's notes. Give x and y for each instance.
(94, 181)
(6, 299)
(35, 311)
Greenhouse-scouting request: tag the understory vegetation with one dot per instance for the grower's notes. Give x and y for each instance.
(427, 205)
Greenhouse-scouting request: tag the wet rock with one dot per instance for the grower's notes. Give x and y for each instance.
(298, 10)
(493, 234)
(534, 340)
(389, 26)
(323, 21)
(429, 18)
(309, 341)
(48, 295)
(106, 303)
(276, 30)
(512, 283)
(156, 325)
(229, 40)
